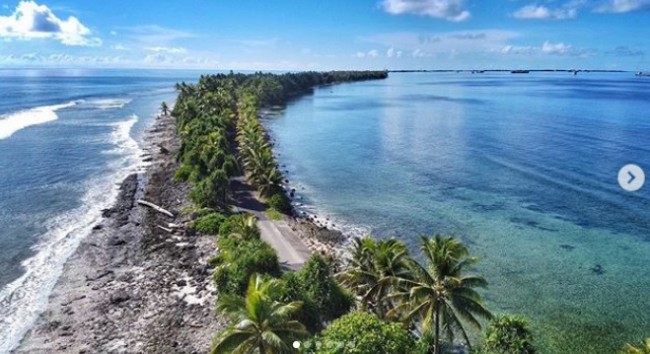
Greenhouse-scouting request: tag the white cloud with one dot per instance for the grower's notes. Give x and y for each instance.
(444, 42)
(31, 20)
(533, 12)
(557, 48)
(419, 53)
(510, 49)
(451, 10)
(621, 6)
(157, 58)
(120, 47)
(169, 50)
(539, 12)
(113, 33)
(373, 53)
(392, 53)
(154, 35)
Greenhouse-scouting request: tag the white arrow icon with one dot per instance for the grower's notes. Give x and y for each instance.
(631, 177)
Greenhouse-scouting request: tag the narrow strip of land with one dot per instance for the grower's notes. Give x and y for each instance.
(292, 252)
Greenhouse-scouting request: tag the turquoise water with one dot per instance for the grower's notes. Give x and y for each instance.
(522, 168)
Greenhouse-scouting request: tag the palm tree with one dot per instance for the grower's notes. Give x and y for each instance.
(260, 325)
(164, 108)
(440, 295)
(643, 349)
(373, 270)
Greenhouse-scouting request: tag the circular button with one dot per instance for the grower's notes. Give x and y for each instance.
(631, 178)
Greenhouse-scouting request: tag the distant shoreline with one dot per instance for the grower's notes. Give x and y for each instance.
(509, 70)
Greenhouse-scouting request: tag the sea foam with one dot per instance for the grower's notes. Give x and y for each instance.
(13, 122)
(110, 103)
(23, 300)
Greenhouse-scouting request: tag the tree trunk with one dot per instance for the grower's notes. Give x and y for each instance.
(436, 348)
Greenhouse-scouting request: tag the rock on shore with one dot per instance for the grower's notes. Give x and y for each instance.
(132, 287)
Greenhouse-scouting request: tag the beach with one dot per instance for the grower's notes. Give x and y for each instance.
(130, 286)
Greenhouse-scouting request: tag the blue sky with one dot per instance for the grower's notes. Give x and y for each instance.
(323, 35)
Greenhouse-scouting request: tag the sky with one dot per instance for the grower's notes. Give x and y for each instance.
(326, 35)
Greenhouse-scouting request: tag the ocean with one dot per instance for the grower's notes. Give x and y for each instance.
(522, 168)
(67, 140)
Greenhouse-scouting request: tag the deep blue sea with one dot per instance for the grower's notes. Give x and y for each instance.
(67, 139)
(522, 168)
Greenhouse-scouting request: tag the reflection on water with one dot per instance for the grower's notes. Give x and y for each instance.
(522, 169)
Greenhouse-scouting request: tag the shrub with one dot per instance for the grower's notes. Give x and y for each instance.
(238, 259)
(280, 202)
(242, 225)
(362, 333)
(273, 214)
(508, 335)
(183, 173)
(211, 191)
(323, 299)
(209, 224)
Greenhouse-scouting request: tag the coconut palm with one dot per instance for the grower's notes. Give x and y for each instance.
(373, 270)
(164, 109)
(440, 295)
(260, 324)
(644, 348)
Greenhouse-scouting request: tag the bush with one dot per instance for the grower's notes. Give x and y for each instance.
(209, 224)
(273, 214)
(183, 173)
(323, 299)
(362, 333)
(242, 225)
(211, 191)
(238, 259)
(508, 335)
(280, 202)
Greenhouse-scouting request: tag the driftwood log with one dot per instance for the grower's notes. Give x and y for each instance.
(164, 228)
(155, 207)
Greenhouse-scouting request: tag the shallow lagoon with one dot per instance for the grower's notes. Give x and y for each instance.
(522, 168)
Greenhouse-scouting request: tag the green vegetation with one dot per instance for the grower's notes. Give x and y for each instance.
(402, 306)
(373, 271)
(164, 109)
(259, 323)
(362, 333)
(273, 214)
(508, 335)
(217, 121)
(644, 348)
(280, 202)
(323, 298)
(210, 223)
(241, 254)
(441, 294)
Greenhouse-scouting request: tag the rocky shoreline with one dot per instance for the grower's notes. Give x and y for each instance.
(131, 286)
(140, 282)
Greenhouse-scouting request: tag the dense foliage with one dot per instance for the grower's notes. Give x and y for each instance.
(323, 298)
(217, 121)
(210, 223)
(643, 348)
(221, 136)
(241, 254)
(362, 333)
(259, 323)
(508, 335)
